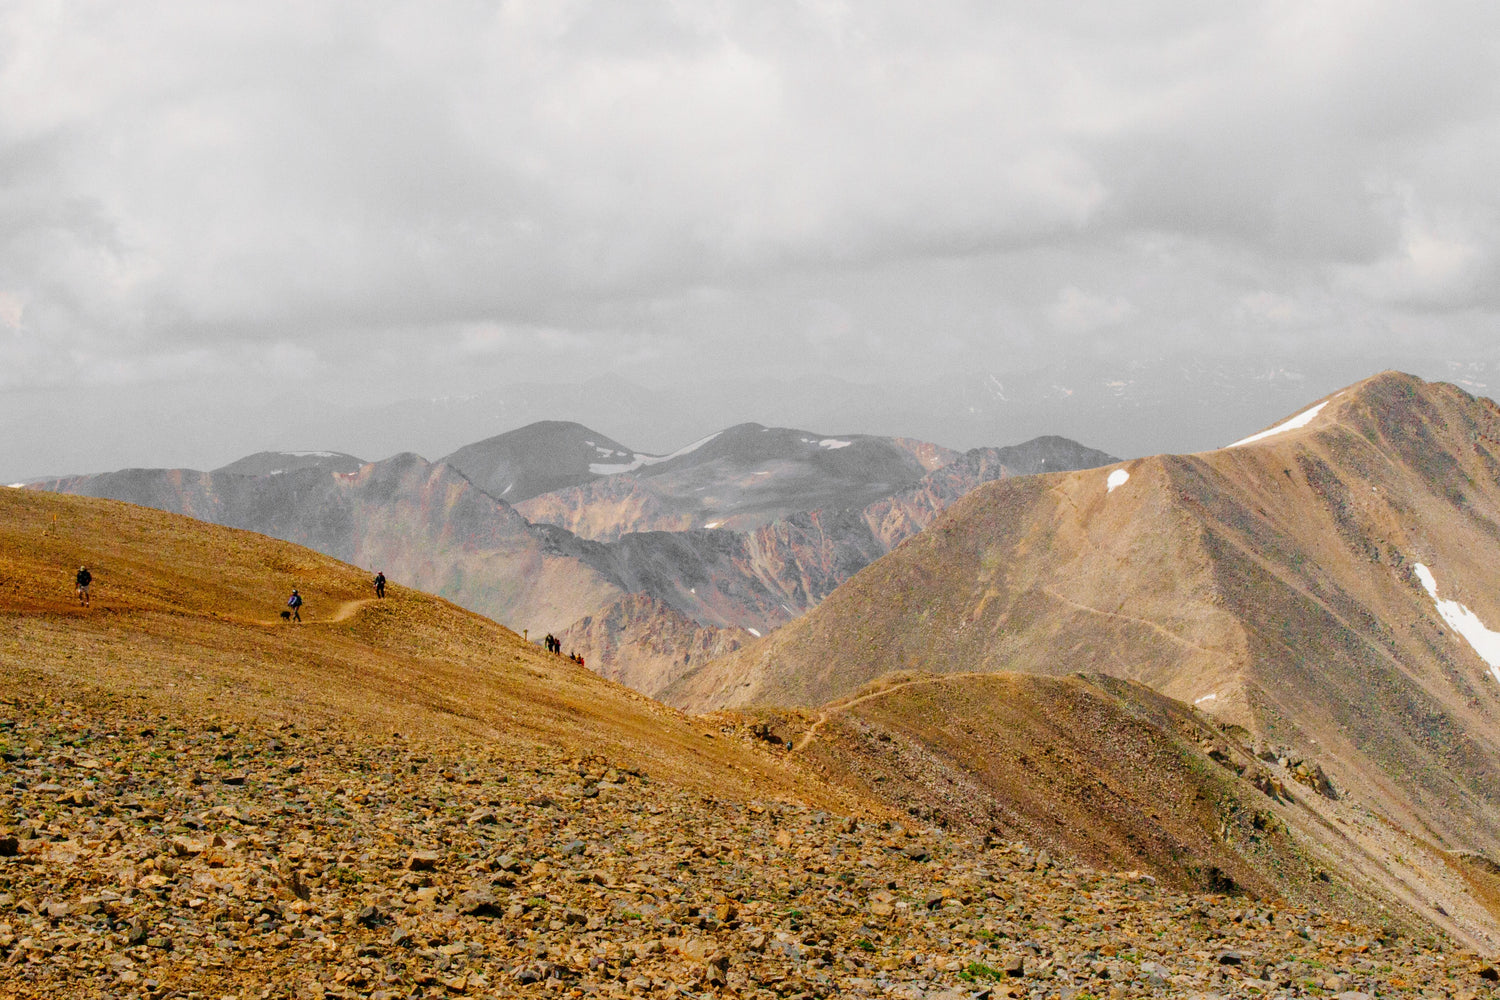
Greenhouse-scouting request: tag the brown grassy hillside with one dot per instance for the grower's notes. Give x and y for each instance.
(187, 614)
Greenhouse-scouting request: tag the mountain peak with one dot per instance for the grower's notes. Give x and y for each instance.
(1270, 584)
(271, 463)
(539, 458)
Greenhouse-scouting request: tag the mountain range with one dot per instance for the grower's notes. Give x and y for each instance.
(1131, 405)
(644, 565)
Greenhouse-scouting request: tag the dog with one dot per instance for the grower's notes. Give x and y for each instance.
(286, 616)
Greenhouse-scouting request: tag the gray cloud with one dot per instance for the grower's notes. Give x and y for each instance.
(408, 196)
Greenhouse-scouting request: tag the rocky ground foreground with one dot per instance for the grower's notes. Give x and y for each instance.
(147, 855)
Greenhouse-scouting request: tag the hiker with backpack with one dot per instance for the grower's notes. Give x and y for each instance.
(380, 584)
(81, 582)
(295, 603)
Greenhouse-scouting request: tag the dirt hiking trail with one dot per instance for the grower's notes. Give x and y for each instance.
(843, 706)
(342, 613)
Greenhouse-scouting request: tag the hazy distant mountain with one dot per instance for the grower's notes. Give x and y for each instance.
(755, 581)
(740, 478)
(270, 463)
(538, 458)
(643, 606)
(1128, 406)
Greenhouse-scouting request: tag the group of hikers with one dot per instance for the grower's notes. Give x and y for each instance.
(554, 645)
(294, 605)
(83, 579)
(295, 602)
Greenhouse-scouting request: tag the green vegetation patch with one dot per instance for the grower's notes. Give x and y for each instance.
(977, 971)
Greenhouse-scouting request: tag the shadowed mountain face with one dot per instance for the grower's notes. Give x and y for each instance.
(538, 458)
(1328, 587)
(643, 607)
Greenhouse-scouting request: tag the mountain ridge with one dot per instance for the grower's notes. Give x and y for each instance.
(1272, 584)
(429, 525)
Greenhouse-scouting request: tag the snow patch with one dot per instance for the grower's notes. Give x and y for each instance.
(602, 469)
(754, 632)
(713, 524)
(18, 486)
(1116, 479)
(1207, 697)
(833, 444)
(1300, 420)
(1463, 621)
(311, 454)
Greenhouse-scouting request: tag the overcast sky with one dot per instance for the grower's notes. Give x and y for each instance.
(205, 200)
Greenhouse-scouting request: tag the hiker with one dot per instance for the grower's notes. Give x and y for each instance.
(295, 603)
(380, 584)
(82, 581)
